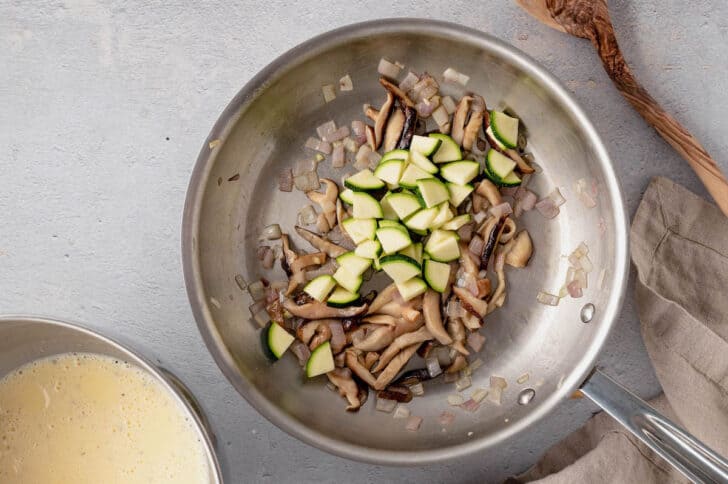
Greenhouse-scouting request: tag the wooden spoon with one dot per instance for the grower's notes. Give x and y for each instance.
(589, 19)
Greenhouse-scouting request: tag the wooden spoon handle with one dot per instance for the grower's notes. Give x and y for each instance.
(672, 131)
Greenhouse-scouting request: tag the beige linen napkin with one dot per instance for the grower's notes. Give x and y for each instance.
(679, 245)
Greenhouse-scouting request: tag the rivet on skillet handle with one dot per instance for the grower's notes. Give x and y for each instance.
(696, 461)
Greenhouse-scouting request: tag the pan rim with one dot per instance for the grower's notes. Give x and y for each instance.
(191, 222)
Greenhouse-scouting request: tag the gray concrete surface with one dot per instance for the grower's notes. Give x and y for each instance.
(104, 106)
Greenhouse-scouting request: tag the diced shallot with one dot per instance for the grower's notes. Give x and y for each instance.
(345, 83)
(501, 209)
(455, 399)
(388, 69)
(384, 405)
(350, 144)
(417, 389)
(462, 383)
(318, 145)
(256, 290)
(358, 130)
(271, 232)
(338, 159)
(301, 352)
(338, 337)
(433, 366)
(451, 75)
(449, 104)
(306, 165)
(547, 208)
(523, 378)
(373, 158)
(261, 317)
(337, 135)
(557, 197)
(307, 182)
(268, 259)
(329, 92)
(362, 157)
(600, 279)
(441, 116)
(326, 128)
(470, 405)
(466, 232)
(547, 299)
(413, 423)
(528, 200)
(476, 245)
(479, 394)
(401, 412)
(307, 215)
(574, 289)
(476, 341)
(409, 81)
(446, 418)
(285, 180)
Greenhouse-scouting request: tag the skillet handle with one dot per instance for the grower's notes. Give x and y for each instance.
(696, 461)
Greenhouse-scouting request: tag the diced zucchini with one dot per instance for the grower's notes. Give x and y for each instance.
(457, 222)
(460, 172)
(366, 206)
(511, 180)
(369, 249)
(391, 223)
(404, 204)
(458, 193)
(342, 298)
(347, 280)
(425, 145)
(448, 150)
(411, 288)
(491, 136)
(400, 267)
(443, 246)
(505, 128)
(420, 221)
(437, 274)
(320, 287)
(390, 171)
(363, 181)
(347, 196)
(278, 339)
(321, 361)
(414, 251)
(353, 263)
(411, 174)
(394, 155)
(433, 191)
(360, 229)
(393, 239)
(421, 160)
(387, 212)
(444, 214)
(499, 165)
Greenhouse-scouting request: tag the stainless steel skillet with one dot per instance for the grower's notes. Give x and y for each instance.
(233, 195)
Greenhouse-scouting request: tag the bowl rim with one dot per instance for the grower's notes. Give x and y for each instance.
(195, 195)
(166, 378)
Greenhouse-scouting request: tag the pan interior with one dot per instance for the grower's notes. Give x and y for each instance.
(263, 132)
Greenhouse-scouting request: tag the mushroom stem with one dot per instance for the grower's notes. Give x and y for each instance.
(487, 189)
(341, 378)
(475, 123)
(314, 333)
(491, 241)
(381, 319)
(471, 303)
(457, 331)
(331, 249)
(382, 298)
(520, 251)
(397, 363)
(356, 366)
(396, 309)
(400, 343)
(408, 130)
(376, 340)
(433, 319)
(381, 121)
(393, 131)
(500, 292)
(318, 310)
(458, 120)
(458, 364)
(396, 91)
